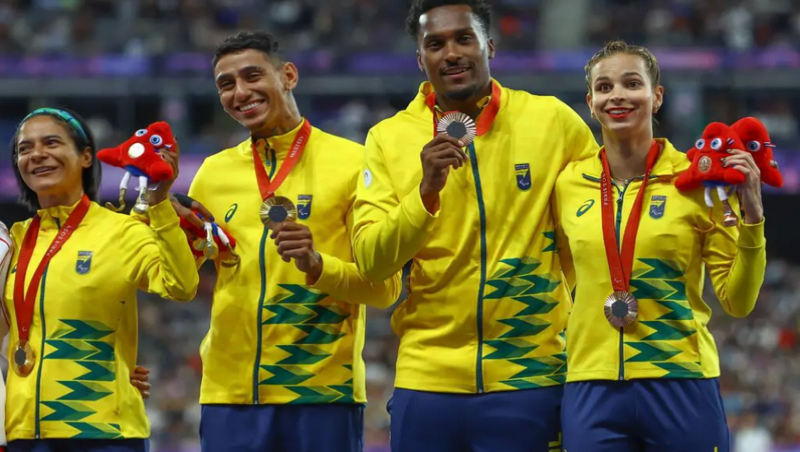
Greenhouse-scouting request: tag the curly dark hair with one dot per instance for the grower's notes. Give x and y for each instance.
(244, 40)
(481, 8)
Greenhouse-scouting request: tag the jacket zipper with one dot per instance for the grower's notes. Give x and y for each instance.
(482, 211)
(262, 263)
(620, 200)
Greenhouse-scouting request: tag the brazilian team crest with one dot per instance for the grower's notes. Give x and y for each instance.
(657, 205)
(84, 262)
(303, 206)
(523, 172)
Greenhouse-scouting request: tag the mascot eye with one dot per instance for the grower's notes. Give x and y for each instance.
(754, 146)
(156, 140)
(700, 143)
(141, 132)
(716, 144)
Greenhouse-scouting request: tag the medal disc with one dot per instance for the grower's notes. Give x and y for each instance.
(276, 210)
(459, 126)
(23, 359)
(621, 309)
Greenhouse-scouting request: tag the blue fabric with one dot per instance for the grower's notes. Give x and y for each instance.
(79, 445)
(650, 415)
(510, 421)
(278, 428)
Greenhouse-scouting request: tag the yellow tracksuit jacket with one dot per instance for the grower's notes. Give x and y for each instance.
(274, 339)
(486, 307)
(84, 331)
(670, 338)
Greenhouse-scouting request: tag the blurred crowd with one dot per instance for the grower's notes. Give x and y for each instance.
(759, 356)
(150, 26)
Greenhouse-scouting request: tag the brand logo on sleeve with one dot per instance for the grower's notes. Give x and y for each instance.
(523, 172)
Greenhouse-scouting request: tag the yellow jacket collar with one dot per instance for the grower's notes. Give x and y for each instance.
(418, 108)
(55, 217)
(670, 162)
(280, 144)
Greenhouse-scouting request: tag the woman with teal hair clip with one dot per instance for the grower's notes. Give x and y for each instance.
(70, 296)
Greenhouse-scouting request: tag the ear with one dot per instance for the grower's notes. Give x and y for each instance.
(490, 43)
(658, 99)
(419, 62)
(589, 104)
(86, 157)
(289, 75)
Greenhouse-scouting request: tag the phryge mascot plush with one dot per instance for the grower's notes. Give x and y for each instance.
(139, 157)
(707, 169)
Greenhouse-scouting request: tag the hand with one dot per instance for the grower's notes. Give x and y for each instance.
(139, 380)
(186, 207)
(171, 156)
(438, 156)
(294, 241)
(750, 190)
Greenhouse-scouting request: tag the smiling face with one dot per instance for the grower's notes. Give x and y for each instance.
(47, 159)
(253, 88)
(454, 51)
(622, 95)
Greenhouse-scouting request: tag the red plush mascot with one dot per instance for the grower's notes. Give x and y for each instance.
(707, 170)
(755, 137)
(139, 156)
(210, 238)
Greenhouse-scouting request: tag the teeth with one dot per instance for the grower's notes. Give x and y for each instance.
(41, 170)
(454, 72)
(619, 112)
(250, 106)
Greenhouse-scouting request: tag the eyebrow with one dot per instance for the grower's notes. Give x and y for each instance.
(46, 137)
(245, 69)
(455, 32)
(627, 74)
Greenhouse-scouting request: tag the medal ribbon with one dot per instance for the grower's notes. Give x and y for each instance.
(485, 118)
(24, 302)
(621, 266)
(267, 187)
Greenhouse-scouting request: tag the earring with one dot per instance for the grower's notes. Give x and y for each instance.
(591, 114)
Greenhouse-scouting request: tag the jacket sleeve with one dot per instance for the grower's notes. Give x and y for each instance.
(736, 259)
(345, 282)
(580, 140)
(562, 241)
(160, 260)
(389, 230)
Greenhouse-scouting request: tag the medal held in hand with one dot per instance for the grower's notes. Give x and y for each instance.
(23, 359)
(279, 209)
(459, 126)
(276, 210)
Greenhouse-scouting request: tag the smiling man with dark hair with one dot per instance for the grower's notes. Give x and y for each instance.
(482, 352)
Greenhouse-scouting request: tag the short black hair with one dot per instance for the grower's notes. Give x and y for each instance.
(245, 40)
(91, 175)
(481, 8)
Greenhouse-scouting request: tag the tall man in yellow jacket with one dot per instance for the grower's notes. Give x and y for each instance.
(282, 365)
(482, 353)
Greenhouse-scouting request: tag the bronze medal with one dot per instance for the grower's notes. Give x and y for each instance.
(276, 210)
(459, 126)
(621, 309)
(23, 359)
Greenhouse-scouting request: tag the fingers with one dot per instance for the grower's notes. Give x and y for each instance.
(172, 159)
(445, 138)
(143, 371)
(444, 156)
(203, 211)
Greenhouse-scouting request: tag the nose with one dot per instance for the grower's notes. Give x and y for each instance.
(241, 93)
(37, 153)
(452, 53)
(617, 95)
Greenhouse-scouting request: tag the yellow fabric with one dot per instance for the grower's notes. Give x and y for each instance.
(86, 307)
(671, 338)
(274, 339)
(486, 309)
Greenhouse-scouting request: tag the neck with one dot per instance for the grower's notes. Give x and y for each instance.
(468, 106)
(66, 199)
(283, 124)
(627, 156)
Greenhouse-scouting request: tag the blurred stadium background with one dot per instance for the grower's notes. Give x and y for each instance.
(126, 63)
